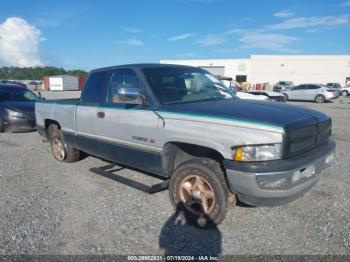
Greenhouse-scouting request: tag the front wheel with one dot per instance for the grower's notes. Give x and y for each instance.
(320, 99)
(199, 186)
(344, 93)
(286, 98)
(61, 151)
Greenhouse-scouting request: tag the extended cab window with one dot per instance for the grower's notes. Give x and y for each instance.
(93, 90)
(120, 81)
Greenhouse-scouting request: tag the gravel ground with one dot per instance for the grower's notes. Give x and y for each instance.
(47, 207)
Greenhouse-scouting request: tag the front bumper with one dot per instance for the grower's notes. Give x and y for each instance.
(13, 124)
(253, 182)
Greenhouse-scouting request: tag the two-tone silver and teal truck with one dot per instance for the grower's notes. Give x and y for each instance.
(183, 124)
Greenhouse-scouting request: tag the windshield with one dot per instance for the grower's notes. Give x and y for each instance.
(17, 94)
(180, 85)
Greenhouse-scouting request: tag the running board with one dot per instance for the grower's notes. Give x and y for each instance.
(103, 171)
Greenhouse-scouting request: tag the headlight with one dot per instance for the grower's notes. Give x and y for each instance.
(15, 113)
(258, 152)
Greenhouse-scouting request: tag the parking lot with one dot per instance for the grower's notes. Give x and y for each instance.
(47, 207)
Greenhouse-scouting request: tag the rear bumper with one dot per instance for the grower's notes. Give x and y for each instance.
(13, 124)
(278, 182)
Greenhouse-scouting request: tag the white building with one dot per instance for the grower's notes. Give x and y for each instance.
(273, 68)
(63, 83)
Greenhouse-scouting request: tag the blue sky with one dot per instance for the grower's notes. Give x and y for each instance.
(91, 34)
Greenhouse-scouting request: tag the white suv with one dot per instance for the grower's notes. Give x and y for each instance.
(311, 92)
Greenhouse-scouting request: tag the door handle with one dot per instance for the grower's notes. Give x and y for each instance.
(101, 114)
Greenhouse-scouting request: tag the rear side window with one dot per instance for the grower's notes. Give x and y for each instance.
(313, 87)
(94, 89)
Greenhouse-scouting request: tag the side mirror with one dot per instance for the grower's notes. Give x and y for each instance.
(129, 95)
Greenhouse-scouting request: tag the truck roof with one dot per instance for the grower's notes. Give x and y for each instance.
(140, 66)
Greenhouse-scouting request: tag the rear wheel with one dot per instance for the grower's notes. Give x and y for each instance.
(199, 186)
(344, 93)
(60, 150)
(320, 99)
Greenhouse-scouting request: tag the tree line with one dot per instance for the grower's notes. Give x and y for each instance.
(36, 73)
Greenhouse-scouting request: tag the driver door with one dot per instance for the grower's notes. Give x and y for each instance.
(127, 129)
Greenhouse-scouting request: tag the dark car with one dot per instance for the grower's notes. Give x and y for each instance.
(334, 85)
(17, 108)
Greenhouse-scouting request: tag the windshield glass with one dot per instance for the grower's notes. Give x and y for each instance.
(23, 95)
(179, 85)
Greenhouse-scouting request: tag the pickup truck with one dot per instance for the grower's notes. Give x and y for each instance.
(182, 124)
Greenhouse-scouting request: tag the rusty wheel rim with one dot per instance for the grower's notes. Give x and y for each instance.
(58, 149)
(197, 195)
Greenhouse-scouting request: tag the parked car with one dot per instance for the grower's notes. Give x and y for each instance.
(283, 86)
(345, 91)
(311, 92)
(334, 85)
(17, 108)
(271, 95)
(235, 88)
(246, 95)
(209, 147)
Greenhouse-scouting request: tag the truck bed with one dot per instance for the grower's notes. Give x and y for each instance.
(62, 111)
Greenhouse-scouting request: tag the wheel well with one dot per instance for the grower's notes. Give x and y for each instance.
(175, 153)
(321, 96)
(49, 122)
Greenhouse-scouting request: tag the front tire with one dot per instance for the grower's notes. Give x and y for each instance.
(200, 187)
(320, 99)
(286, 98)
(344, 93)
(60, 150)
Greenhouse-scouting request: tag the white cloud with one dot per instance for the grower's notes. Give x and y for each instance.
(19, 43)
(211, 40)
(347, 3)
(273, 42)
(132, 42)
(132, 29)
(180, 37)
(283, 14)
(314, 21)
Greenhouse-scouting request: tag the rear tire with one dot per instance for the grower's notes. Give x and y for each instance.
(320, 99)
(344, 93)
(60, 150)
(198, 188)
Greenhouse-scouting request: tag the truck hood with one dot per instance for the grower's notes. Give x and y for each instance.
(255, 112)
